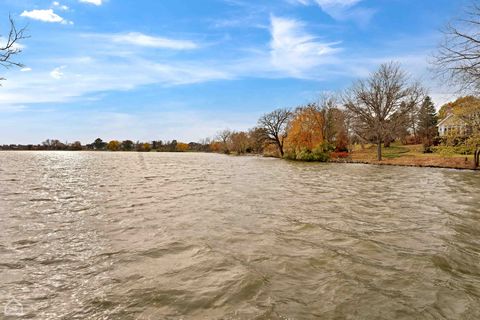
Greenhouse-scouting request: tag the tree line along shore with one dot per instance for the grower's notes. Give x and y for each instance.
(337, 129)
(386, 118)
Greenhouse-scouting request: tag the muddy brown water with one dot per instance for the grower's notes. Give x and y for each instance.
(98, 235)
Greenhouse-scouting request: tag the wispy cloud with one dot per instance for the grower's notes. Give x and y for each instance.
(291, 52)
(95, 2)
(143, 40)
(332, 7)
(46, 15)
(91, 76)
(294, 50)
(341, 9)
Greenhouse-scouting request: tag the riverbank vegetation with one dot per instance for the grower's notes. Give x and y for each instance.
(382, 119)
(327, 131)
(385, 118)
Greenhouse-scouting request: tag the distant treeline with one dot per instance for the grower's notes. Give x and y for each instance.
(114, 145)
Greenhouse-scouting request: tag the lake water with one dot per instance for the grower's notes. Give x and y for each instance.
(202, 236)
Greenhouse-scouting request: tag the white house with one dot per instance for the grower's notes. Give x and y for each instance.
(453, 124)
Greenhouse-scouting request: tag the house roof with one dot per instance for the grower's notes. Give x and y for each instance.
(454, 119)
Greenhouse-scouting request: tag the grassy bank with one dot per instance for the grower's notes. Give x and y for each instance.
(411, 155)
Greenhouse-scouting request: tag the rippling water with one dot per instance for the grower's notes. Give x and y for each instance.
(201, 236)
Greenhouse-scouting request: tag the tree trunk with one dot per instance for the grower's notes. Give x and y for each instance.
(379, 150)
(476, 158)
(280, 148)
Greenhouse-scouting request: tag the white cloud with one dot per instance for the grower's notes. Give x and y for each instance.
(294, 50)
(95, 2)
(328, 5)
(337, 3)
(92, 76)
(46, 15)
(143, 40)
(60, 6)
(341, 9)
(26, 69)
(57, 73)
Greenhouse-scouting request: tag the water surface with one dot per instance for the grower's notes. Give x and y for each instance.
(202, 236)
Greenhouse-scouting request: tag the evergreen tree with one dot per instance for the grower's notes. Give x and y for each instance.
(99, 144)
(427, 122)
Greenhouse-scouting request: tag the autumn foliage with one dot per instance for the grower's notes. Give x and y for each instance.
(305, 130)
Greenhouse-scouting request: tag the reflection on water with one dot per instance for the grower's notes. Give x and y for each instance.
(202, 236)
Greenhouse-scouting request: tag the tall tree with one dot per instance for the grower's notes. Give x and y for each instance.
(224, 136)
(427, 121)
(327, 104)
(77, 145)
(306, 129)
(238, 142)
(377, 102)
(275, 125)
(127, 145)
(99, 144)
(114, 145)
(256, 137)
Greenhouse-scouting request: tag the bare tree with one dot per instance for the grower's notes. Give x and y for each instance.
(224, 137)
(458, 56)
(275, 124)
(377, 103)
(239, 142)
(257, 138)
(10, 47)
(458, 60)
(327, 105)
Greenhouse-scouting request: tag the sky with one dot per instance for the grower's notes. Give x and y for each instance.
(168, 69)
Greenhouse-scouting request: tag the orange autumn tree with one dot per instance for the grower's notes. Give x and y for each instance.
(181, 147)
(305, 132)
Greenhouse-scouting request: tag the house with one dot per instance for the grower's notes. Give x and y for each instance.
(453, 124)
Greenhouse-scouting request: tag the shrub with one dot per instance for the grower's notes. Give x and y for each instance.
(444, 150)
(318, 154)
(290, 155)
(339, 155)
(427, 148)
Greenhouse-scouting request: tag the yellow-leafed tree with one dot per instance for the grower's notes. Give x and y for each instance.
(181, 147)
(305, 130)
(113, 145)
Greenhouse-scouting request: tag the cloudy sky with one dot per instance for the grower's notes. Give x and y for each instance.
(166, 69)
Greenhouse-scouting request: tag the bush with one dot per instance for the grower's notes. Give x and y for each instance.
(339, 155)
(290, 155)
(453, 144)
(318, 154)
(450, 150)
(427, 148)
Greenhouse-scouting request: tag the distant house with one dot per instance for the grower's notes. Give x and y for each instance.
(453, 124)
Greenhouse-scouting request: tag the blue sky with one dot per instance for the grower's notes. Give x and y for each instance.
(166, 69)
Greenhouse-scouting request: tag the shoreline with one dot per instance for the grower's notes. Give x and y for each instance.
(438, 163)
(412, 165)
